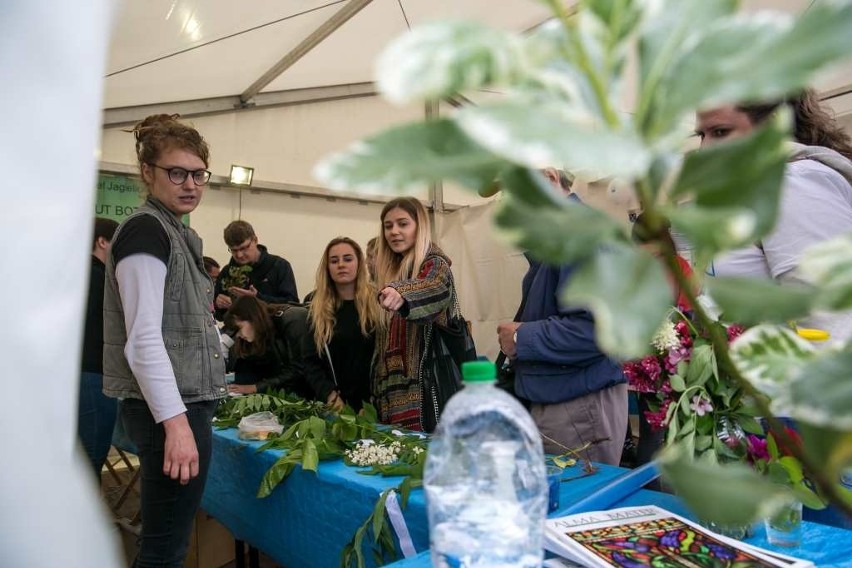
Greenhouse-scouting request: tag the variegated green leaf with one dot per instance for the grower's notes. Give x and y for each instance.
(550, 226)
(751, 301)
(667, 26)
(770, 357)
(714, 230)
(822, 395)
(743, 174)
(728, 494)
(797, 48)
(829, 266)
(627, 291)
(408, 157)
(442, 58)
(556, 134)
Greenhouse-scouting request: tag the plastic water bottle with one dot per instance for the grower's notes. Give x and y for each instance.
(485, 482)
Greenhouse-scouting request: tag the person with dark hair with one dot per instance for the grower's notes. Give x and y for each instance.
(96, 411)
(211, 267)
(162, 353)
(816, 196)
(344, 316)
(273, 349)
(252, 271)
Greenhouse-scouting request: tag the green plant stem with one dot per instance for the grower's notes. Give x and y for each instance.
(719, 340)
(585, 65)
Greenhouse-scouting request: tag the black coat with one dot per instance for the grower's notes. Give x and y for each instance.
(271, 275)
(93, 334)
(291, 363)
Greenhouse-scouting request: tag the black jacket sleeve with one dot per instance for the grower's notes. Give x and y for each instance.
(282, 284)
(300, 366)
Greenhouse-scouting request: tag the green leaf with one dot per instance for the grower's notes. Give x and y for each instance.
(793, 467)
(379, 514)
(627, 291)
(701, 365)
(275, 475)
(439, 59)
(769, 356)
(783, 56)
(310, 459)
(317, 427)
(663, 35)
(370, 413)
(829, 446)
(557, 133)
(712, 230)
(750, 301)
(829, 266)
(678, 383)
(744, 174)
(408, 157)
(731, 494)
(749, 424)
(772, 447)
(552, 228)
(808, 498)
(619, 17)
(822, 393)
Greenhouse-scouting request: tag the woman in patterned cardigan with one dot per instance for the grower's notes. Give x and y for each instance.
(416, 287)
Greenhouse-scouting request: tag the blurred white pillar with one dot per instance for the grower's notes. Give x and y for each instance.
(52, 60)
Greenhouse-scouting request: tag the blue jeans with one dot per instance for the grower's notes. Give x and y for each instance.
(95, 420)
(168, 508)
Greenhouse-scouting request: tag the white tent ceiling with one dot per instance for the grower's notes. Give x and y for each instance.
(212, 51)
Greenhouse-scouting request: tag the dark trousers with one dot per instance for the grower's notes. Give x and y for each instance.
(95, 420)
(649, 440)
(168, 508)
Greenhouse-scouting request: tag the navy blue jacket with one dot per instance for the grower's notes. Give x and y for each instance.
(557, 357)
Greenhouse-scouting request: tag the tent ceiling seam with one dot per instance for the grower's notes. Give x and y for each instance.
(223, 38)
(316, 37)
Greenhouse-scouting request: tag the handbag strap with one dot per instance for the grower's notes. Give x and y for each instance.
(501, 358)
(330, 364)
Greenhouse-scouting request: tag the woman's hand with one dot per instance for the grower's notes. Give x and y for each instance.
(334, 401)
(242, 389)
(180, 454)
(390, 299)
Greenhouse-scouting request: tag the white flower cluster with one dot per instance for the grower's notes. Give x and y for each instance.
(367, 453)
(666, 338)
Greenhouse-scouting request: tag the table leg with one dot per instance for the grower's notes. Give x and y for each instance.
(239, 554)
(254, 558)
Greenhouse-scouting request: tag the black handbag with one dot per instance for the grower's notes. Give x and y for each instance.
(445, 349)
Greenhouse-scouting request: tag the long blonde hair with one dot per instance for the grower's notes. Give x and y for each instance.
(391, 266)
(326, 299)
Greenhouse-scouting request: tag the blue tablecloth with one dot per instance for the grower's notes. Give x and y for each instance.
(310, 517)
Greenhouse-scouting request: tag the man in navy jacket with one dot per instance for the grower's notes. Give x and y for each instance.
(578, 395)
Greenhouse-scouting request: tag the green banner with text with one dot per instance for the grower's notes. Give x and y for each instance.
(118, 196)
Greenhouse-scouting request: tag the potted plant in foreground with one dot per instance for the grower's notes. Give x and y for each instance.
(563, 83)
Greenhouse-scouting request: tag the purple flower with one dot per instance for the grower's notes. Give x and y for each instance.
(675, 356)
(651, 366)
(700, 405)
(756, 449)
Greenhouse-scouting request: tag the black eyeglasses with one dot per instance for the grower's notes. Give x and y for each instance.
(178, 175)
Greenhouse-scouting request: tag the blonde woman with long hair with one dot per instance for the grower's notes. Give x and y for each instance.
(416, 288)
(344, 316)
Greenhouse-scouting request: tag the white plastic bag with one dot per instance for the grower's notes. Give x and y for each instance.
(258, 426)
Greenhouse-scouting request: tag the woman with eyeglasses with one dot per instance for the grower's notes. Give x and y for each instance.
(162, 352)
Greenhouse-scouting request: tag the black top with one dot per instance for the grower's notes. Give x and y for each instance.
(271, 275)
(291, 362)
(351, 356)
(93, 338)
(142, 234)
